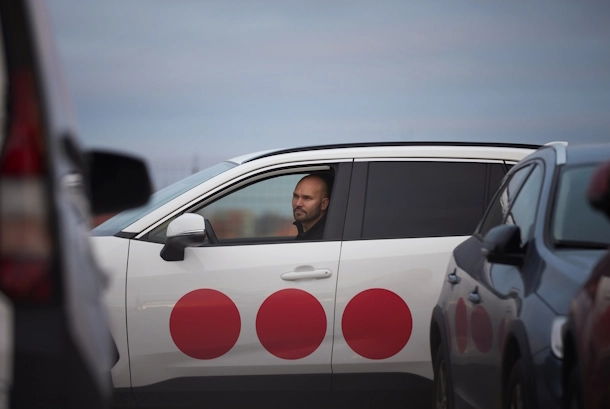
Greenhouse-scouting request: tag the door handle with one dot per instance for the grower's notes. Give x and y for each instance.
(453, 278)
(300, 275)
(474, 297)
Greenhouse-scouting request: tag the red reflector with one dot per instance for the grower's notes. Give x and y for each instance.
(23, 150)
(25, 280)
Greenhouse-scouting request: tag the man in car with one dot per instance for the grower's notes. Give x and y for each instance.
(309, 204)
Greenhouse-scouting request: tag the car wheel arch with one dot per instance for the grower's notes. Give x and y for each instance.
(437, 329)
(516, 347)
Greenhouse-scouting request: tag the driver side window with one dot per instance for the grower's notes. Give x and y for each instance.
(260, 210)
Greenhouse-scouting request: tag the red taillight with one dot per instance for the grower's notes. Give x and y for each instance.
(25, 280)
(25, 245)
(22, 153)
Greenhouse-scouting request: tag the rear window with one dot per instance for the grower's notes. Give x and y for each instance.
(423, 199)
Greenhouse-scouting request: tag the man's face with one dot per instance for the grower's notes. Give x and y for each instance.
(308, 203)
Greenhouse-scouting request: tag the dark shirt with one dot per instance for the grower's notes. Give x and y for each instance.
(314, 233)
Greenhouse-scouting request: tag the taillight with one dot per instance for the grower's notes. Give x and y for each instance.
(25, 243)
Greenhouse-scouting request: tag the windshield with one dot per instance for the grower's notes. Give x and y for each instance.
(575, 222)
(122, 220)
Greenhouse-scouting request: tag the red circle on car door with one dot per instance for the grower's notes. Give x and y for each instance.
(205, 324)
(480, 329)
(377, 324)
(461, 326)
(291, 324)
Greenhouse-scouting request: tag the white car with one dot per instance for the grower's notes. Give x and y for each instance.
(252, 305)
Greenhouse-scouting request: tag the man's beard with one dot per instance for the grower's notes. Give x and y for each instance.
(306, 217)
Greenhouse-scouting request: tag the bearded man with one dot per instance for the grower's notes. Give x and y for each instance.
(309, 204)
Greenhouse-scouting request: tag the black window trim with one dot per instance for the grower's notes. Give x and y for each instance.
(550, 208)
(354, 216)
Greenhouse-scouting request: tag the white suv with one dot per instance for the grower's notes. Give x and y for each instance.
(251, 304)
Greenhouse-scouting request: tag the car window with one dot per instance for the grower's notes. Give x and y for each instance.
(575, 223)
(523, 211)
(423, 199)
(499, 207)
(261, 210)
(122, 220)
(496, 174)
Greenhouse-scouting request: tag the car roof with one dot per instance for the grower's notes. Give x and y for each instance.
(263, 154)
(435, 151)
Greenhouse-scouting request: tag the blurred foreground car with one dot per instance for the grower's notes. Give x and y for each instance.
(495, 334)
(211, 291)
(587, 337)
(55, 346)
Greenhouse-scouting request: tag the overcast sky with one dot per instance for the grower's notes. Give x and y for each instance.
(217, 79)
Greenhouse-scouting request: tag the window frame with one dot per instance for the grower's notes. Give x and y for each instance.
(507, 179)
(530, 163)
(342, 170)
(536, 163)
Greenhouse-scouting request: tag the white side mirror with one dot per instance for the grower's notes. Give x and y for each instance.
(185, 225)
(187, 230)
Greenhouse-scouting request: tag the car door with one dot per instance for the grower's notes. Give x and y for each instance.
(255, 303)
(404, 219)
(485, 298)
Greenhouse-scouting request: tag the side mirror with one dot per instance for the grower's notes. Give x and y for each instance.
(117, 182)
(187, 230)
(598, 192)
(502, 245)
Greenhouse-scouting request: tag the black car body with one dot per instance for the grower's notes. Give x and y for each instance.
(496, 330)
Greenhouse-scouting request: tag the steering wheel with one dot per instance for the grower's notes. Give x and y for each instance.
(209, 231)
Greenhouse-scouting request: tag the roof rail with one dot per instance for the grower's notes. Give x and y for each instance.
(560, 151)
(393, 143)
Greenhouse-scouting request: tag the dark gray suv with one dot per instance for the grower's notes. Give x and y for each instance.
(496, 332)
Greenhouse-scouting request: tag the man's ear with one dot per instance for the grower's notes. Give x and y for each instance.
(324, 203)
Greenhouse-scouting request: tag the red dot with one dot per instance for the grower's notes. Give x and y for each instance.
(377, 324)
(205, 324)
(291, 324)
(461, 326)
(480, 329)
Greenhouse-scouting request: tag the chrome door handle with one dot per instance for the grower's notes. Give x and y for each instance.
(453, 278)
(300, 275)
(474, 297)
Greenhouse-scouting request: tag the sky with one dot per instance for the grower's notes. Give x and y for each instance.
(188, 83)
